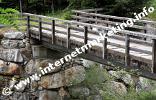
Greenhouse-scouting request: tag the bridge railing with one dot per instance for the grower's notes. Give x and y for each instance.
(50, 24)
(40, 22)
(144, 26)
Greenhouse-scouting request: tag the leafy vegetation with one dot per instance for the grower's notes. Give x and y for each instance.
(62, 14)
(6, 16)
(99, 78)
(153, 15)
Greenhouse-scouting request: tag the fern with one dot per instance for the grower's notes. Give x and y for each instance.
(7, 17)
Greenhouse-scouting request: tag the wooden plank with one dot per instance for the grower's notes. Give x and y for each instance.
(53, 32)
(154, 56)
(40, 28)
(68, 36)
(92, 10)
(127, 49)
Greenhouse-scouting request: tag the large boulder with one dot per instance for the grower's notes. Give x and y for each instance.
(87, 63)
(19, 96)
(69, 77)
(117, 87)
(34, 65)
(7, 68)
(11, 55)
(12, 44)
(52, 81)
(77, 92)
(145, 84)
(124, 76)
(95, 97)
(14, 35)
(74, 75)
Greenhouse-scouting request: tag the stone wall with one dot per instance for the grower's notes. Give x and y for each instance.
(20, 59)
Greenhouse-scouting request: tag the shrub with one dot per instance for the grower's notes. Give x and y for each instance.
(7, 16)
(153, 15)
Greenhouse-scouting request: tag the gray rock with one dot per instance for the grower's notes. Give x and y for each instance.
(9, 69)
(11, 55)
(11, 44)
(27, 54)
(14, 35)
(34, 66)
(74, 75)
(122, 75)
(117, 87)
(52, 81)
(87, 63)
(29, 68)
(76, 92)
(48, 95)
(20, 96)
(69, 77)
(94, 97)
(143, 84)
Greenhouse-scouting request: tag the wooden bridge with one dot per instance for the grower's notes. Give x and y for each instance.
(132, 48)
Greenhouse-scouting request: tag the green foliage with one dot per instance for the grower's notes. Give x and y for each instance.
(67, 15)
(99, 78)
(128, 7)
(77, 4)
(109, 94)
(153, 15)
(62, 14)
(1, 78)
(7, 16)
(96, 75)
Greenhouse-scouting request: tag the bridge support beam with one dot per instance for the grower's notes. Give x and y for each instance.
(154, 56)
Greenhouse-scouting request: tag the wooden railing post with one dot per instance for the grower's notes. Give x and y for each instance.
(28, 27)
(40, 29)
(154, 55)
(68, 36)
(77, 14)
(96, 17)
(85, 35)
(104, 56)
(53, 31)
(127, 51)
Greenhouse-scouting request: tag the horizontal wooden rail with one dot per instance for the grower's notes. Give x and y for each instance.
(93, 10)
(106, 22)
(112, 17)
